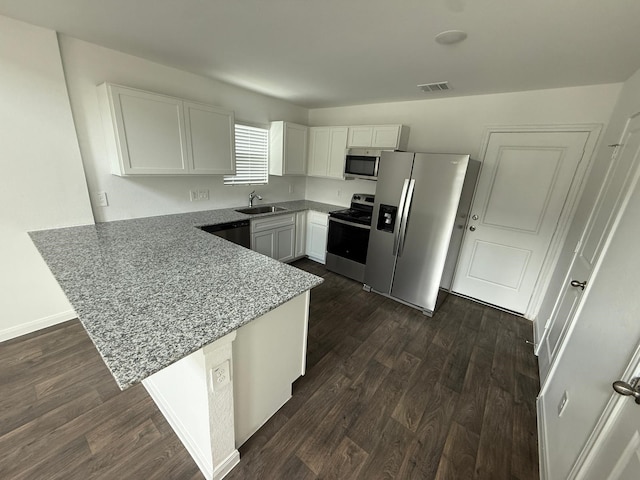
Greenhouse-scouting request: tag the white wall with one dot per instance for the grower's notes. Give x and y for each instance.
(42, 184)
(336, 192)
(87, 65)
(457, 125)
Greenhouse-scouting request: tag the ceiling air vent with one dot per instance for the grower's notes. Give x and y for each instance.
(434, 87)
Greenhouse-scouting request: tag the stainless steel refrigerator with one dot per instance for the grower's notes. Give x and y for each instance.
(419, 218)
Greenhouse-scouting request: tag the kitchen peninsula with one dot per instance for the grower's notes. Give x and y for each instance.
(209, 327)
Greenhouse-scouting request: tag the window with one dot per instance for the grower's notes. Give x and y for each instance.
(252, 153)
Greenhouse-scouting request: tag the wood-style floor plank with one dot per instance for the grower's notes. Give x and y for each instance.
(389, 394)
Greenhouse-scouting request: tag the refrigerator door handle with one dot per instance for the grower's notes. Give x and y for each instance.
(403, 198)
(405, 216)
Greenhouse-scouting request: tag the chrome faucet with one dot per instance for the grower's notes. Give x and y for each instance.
(253, 195)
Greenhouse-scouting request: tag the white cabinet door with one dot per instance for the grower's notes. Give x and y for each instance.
(149, 132)
(360, 136)
(317, 226)
(275, 236)
(264, 243)
(295, 141)
(337, 152)
(301, 234)
(287, 149)
(385, 137)
(152, 134)
(210, 139)
(319, 145)
(327, 149)
(285, 243)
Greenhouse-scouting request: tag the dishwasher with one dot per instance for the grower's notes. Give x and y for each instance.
(237, 232)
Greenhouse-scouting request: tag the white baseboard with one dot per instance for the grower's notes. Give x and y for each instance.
(29, 327)
(227, 465)
(201, 458)
(542, 440)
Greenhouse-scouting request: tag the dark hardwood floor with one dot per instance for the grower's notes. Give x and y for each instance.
(389, 393)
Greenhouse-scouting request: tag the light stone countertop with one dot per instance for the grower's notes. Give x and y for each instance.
(150, 291)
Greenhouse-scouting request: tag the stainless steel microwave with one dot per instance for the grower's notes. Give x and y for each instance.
(362, 163)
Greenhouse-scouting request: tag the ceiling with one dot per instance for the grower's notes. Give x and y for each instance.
(344, 52)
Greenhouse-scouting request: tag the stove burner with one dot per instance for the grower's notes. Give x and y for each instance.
(360, 211)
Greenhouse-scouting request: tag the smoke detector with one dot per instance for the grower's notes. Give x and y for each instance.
(434, 87)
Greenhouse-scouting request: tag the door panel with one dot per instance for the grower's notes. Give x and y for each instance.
(431, 216)
(588, 250)
(522, 205)
(523, 185)
(513, 264)
(394, 169)
(616, 455)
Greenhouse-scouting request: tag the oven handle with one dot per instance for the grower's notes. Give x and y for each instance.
(337, 220)
(403, 198)
(405, 216)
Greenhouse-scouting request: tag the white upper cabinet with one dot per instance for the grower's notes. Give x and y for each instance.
(327, 148)
(152, 134)
(384, 137)
(287, 149)
(210, 139)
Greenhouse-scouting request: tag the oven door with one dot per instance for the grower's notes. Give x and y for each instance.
(348, 240)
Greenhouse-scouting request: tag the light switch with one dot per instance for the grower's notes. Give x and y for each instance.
(103, 201)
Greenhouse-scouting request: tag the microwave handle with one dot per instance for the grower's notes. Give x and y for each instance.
(403, 199)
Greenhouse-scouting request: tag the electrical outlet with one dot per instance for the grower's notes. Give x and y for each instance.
(220, 375)
(339, 193)
(291, 188)
(103, 200)
(203, 194)
(563, 402)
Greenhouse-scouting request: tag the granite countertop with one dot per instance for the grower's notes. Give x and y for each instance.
(150, 291)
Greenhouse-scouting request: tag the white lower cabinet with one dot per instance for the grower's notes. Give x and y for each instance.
(317, 226)
(275, 236)
(291, 236)
(301, 234)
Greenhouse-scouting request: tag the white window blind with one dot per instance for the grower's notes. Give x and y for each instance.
(252, 153)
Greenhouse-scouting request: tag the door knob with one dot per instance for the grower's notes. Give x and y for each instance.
(472, 228)
(577, 284)
(474, 217)
(624, 388)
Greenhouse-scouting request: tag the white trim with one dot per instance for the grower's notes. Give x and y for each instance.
(29, 327)
(571, 202)
(542, 440)
(226, 465)
(202, 459)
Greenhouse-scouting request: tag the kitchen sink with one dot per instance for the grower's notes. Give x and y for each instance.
(260, 209)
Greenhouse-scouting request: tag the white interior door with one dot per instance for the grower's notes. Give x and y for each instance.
(616, 453)
(597, 350)
(590, 246)
(523, 185)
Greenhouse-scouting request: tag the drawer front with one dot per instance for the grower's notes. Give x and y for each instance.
(271, 222)
(319, 218)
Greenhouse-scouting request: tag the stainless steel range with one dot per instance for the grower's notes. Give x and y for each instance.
(348, 237)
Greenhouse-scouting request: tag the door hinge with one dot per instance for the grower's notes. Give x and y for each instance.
(578, 245)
